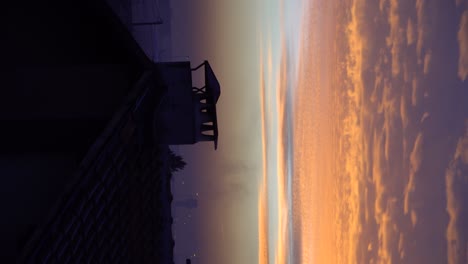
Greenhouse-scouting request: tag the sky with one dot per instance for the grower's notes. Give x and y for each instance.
(343, 132)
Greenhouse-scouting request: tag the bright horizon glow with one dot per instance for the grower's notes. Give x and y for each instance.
(278, 77)
(262, 192)
(297, 132)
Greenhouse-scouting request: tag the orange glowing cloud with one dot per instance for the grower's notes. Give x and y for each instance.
(281, 90)
(262, 193)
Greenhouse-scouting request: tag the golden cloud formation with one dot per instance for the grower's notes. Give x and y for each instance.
(463, 47)
(414, 91)
(262, 193)
(426, 17)
(427, 62)
(395, 39)
(415, 164)
(424, 117)
(410, 34)
(456, 244)
(404, 112)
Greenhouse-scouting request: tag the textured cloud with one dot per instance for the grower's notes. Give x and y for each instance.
(421, 30)
(262, 225)
(350, 223)
(395, 39)
(455, 183)
(263, 191)
(377, 176)
(386, 206)
(415, 164)
(388, 233)
(427, 62)
(402, 246)
(463, 47)
(382, 5)
(414, 218)
(414, 91)
(424, 117)
(390, 110)
(387, 123)
(425, 22)
(416, 154)
(410, 32)
(404, 112)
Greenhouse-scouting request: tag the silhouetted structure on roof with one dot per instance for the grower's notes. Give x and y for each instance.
(188, 113)
(84, 176)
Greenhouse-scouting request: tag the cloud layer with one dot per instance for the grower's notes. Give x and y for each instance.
(396, 131)
(463, 47)
(456, 177)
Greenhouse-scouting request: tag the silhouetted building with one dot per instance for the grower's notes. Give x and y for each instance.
(85, 177)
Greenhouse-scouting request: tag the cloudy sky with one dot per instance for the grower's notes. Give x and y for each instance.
(401, 126)
(343, 131)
